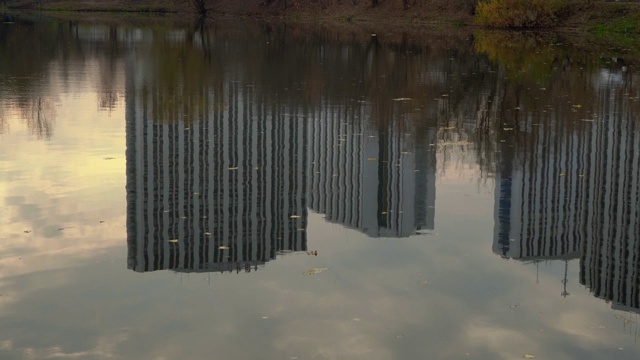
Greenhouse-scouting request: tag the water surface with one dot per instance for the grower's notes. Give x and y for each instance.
(251, 191)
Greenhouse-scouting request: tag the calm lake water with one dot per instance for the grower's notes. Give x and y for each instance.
(238, 190)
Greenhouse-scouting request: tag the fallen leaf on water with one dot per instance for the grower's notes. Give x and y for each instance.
(563, 174)
(265, 317)
(207, 234)
(424, 282)
(356, 319)
(529, 356)
(294, 217)
(314, 252)
(402, 99)
(578, 106)
(173, 240)
(233, 168)
(448, 128)
(371, 159)
(223, 247)
(315, 271)
(109, 158)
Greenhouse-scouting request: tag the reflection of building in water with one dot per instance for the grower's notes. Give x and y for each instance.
(610, 263)
(577, 192)
(379, 182)
(538, 202)
(215, 194)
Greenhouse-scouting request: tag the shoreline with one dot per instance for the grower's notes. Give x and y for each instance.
(616, 23)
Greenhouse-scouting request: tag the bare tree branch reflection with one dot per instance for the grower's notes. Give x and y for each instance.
(39, 114)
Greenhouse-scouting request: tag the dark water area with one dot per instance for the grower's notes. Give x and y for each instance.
(251, 190)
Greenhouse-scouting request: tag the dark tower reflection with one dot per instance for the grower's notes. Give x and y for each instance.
(376, 179)
(574, 192)
(212, 193)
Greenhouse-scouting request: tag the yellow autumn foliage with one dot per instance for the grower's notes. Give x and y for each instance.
(521, 13)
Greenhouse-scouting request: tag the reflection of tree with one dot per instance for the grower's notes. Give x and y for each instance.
(39, 116)
(4, 126)
(112, 52)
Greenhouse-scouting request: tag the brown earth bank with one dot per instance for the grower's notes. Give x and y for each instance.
(607, 16)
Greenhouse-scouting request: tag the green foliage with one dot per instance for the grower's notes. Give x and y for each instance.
(625, 25)
(521, 13)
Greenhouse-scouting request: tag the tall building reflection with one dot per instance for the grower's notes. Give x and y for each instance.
(213, 194)
(374, 179)
(575, 193)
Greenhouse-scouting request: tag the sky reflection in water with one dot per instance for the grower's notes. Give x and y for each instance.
(465, 202)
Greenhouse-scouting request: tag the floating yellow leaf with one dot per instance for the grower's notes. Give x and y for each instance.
(529, 356)
(223, 247)
(577, 106)
(315, 271)
(314, 252)
(173, 240)
(233, 168)
(424, 282)
(207, 234)
(563, 174)
(448, 128)
(294, 217)
(371, 159)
